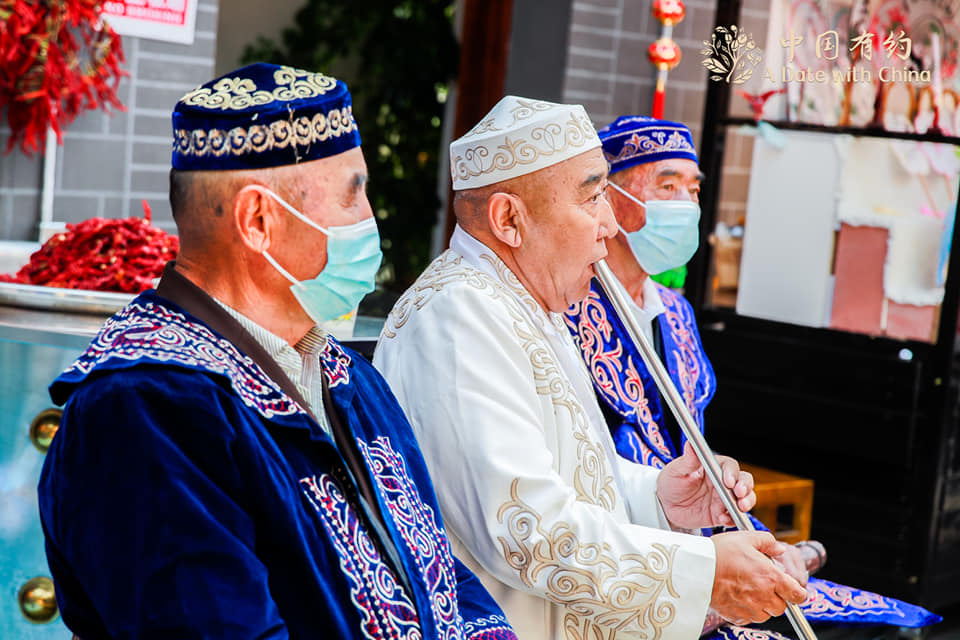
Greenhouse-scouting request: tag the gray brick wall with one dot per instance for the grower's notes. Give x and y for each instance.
(608, 71)
(109, 163)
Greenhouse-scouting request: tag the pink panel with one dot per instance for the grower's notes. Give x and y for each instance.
(858, 279)
(908, 322)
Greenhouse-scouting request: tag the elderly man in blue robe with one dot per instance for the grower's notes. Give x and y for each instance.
(224, 468)
(654, 191)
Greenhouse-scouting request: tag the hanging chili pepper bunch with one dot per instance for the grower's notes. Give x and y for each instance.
(57, 58)
(101, 255)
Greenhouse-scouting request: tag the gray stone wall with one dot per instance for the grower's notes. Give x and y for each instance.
(608, 70)
(109, 163)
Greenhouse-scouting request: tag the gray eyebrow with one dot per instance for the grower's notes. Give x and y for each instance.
(592, 180)
(669, 173)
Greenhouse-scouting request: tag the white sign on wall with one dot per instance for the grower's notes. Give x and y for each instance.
(168, 20)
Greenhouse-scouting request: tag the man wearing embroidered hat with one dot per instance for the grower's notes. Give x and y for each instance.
(654, 191)
(571, 540)
(223, 467)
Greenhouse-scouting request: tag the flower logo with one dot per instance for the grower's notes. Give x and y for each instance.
(731, 55)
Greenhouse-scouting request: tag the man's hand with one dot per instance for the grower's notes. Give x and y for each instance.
(748, 586)
(791, 561)
(689, 499)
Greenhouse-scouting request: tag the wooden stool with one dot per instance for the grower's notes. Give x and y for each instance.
(775, 489)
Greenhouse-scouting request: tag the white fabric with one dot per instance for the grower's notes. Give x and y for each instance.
(533, 497)
(519, 136)
(652, 306)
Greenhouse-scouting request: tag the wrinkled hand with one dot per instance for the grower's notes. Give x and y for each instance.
(747, 586)
(792, 561)
(688, 497)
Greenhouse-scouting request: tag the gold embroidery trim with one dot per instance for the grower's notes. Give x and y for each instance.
(592, 481)
(630, 592)
(240, 93)
(523, 110)
(259, 138)
(550, 139)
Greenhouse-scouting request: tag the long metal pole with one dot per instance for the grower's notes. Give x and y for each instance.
(669, 392)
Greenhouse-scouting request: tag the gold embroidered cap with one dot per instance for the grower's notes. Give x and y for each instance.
(262, 115)
(519, 136)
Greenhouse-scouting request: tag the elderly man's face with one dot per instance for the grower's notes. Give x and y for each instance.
(569, 220)
(674, 179)
(331, 192)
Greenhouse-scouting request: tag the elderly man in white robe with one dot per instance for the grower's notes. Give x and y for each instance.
(573, 541)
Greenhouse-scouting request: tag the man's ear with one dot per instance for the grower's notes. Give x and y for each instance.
(506, 215)
(254, 217)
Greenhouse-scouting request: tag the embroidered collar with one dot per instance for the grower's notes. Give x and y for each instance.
(148, 330)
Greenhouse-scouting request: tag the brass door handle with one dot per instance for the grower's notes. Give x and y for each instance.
(43, 427)
(37, 600)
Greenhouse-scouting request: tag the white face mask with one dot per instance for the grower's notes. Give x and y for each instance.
(353, 258)
(670, 236)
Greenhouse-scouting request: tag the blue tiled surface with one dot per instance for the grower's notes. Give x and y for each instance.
(25, 371)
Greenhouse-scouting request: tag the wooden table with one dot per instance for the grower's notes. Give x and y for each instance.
(776, 489)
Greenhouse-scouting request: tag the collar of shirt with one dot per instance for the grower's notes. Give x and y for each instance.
(300, 362)
(652, 307)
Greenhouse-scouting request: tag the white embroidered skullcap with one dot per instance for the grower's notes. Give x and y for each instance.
(519, 136)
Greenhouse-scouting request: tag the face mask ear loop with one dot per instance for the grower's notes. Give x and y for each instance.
(626, 193)
(282, 271)
(289, 207)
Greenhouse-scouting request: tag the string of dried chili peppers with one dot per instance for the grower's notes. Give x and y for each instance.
(57, 59)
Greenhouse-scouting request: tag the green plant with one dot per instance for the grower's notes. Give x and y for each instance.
(397, 57)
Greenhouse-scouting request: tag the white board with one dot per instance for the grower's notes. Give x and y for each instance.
(788, 237)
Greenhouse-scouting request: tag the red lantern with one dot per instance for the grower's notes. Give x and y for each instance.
(664, 54)
(669, 12)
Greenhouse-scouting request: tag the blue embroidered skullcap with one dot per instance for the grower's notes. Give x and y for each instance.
(262, 115)
(632, 140)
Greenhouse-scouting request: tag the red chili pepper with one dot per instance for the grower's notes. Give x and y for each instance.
(102, 254)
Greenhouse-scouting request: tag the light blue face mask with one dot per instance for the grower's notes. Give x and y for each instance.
(353, 257)
(670, 236)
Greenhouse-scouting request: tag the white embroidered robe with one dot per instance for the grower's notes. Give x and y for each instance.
(568, 537)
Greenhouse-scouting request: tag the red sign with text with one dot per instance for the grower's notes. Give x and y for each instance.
(171, 20)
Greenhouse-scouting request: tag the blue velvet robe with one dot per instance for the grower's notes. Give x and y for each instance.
(624, 385)
(187, 495)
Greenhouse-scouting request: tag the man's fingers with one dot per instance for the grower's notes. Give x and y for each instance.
(765, 543)
(790, 590)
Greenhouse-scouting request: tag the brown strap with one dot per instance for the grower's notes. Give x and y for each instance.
(175, 287)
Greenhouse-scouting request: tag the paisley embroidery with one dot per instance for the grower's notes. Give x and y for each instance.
(148, 331)
(593, 481)
(616, 367)
(385, 610)
(301, 131)
(547, 140)
(658, 141)
(232, 94)
(418, 527)
(336, 363)
(631, 591)
(489, 628)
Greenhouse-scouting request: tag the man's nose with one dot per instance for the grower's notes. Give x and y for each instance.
(608, 222)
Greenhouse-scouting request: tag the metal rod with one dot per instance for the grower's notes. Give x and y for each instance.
(686, 421)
